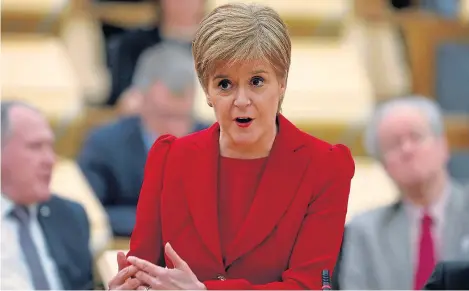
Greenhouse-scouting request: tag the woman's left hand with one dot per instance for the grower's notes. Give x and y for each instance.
(158, 278)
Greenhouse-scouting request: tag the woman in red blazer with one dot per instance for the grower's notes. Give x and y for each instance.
(252, 202)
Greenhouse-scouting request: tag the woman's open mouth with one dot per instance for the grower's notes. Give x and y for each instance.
(243, 122)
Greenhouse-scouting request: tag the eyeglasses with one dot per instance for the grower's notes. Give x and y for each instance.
(411, 140)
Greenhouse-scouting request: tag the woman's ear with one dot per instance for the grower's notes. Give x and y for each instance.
(282, 89)
(209, 102)
(283, 86)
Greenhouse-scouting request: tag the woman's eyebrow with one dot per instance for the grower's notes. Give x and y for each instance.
(260, 71)
(220, 77)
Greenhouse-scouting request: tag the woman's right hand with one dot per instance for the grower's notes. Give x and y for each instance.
(124, 280)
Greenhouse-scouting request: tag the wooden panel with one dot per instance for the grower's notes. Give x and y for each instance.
(37, 16)
(371, 187)
(37, 69)
(423, 32)
(457, 129)
(120, 243)
(375, 10)
(464, 11)
(321, 9)
(127, 14)
(306, 18)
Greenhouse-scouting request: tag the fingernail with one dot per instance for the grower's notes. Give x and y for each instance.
(131, 259)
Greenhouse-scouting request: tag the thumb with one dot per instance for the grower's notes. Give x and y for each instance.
(175, 258)
(121, 260)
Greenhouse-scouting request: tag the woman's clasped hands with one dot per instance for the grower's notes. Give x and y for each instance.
(143, 275)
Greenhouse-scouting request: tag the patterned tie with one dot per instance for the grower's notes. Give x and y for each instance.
(426, 260)
(29, 249)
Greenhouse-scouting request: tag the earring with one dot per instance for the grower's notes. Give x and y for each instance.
(209, 103)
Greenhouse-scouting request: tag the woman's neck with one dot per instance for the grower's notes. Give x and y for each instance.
(260, 149)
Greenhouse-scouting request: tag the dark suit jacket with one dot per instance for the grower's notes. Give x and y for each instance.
(449, 276)
(123, 56)
(112, 159)
(294, 227)
(66, 229)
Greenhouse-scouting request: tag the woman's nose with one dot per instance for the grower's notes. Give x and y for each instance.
(242, 99)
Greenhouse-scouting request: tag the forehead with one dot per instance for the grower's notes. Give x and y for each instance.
(403, 118)
(26, 123)
(242, 67)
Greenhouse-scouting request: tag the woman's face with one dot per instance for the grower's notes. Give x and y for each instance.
(245, 97)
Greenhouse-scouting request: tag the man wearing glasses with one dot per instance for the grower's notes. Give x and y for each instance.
(398, 246)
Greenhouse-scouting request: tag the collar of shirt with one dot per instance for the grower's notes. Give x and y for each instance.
(7, 206)
(415, 214)
(436, 210)
(148, 137)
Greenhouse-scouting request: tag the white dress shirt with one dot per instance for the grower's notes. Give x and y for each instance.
(15, 274)
(415, 214)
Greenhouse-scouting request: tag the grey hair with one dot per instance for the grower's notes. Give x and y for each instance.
(169, 63)
(425, 105)
(6, 107)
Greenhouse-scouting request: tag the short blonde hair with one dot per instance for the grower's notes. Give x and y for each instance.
(241, 32)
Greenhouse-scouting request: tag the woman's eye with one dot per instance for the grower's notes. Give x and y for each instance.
(257, 81)
(224, 84)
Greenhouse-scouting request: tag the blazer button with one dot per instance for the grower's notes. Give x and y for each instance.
(221, 278)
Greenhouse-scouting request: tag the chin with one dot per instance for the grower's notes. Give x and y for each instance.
(244, 139)
(412, 180)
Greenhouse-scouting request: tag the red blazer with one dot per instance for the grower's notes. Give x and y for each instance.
(293, 230)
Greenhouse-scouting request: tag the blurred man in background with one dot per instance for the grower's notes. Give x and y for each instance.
(44, 238)
(113, 156)
(397, 246)
(177, 23)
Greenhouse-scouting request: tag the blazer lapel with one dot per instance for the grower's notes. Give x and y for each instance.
(453, 232)
(202, 187)
(283, 174)
(137, 147)
(51, 227)
(399, 255)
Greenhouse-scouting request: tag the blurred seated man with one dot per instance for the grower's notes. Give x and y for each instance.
(114, 155)
(44, 238)
(397, 246)
(452, 275)
(178, 21)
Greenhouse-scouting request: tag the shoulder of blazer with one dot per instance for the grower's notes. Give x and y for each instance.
(115, 131)
(68, 210)
(337, 157)
(372, 221)
(203, 138)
